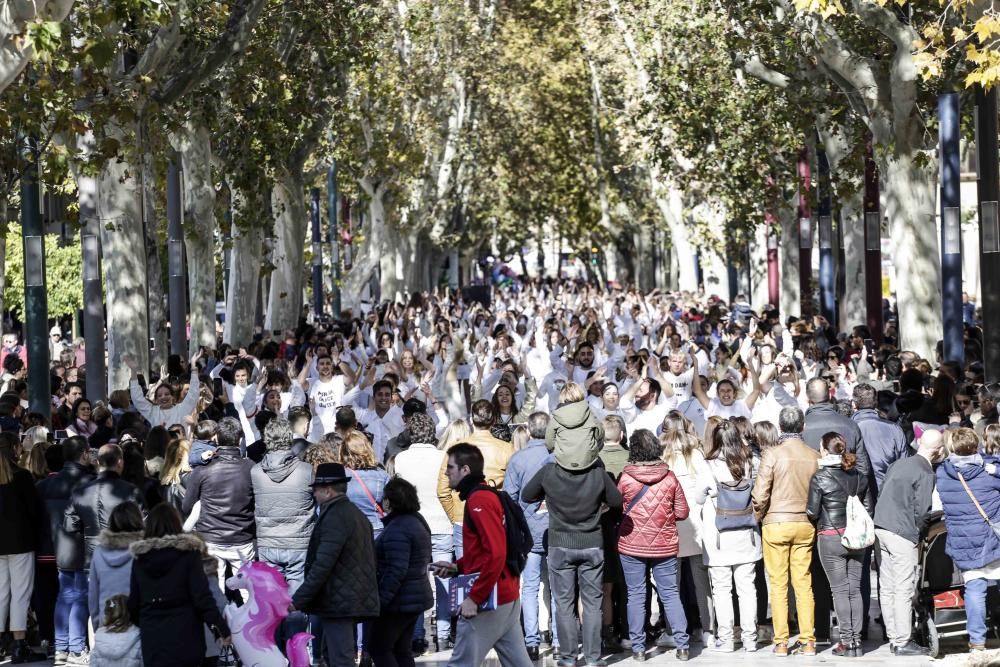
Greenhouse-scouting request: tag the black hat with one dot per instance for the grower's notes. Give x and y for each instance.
(330, 473)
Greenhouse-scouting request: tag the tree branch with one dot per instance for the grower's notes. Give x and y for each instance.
(242, 19)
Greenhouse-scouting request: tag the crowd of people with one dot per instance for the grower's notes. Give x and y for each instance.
(455, 476)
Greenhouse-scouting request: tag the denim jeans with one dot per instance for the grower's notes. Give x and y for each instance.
(457, 540)
(975, 609)
(71, 611)
(441, 550)
(531, 585)
(667, 580)
(292, 565)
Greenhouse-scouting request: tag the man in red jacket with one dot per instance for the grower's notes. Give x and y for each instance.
(485, 551)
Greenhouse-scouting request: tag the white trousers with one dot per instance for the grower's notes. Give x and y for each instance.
(17, 578)
(746, 592)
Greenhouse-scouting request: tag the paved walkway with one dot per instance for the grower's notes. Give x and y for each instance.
(876, 655)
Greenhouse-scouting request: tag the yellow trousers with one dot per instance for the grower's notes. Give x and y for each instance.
(788, 553)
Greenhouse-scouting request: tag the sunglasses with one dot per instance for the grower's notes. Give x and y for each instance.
(964, 402)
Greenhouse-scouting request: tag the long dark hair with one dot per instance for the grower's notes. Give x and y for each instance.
(834, 443)
(163, 520)
(728, 444)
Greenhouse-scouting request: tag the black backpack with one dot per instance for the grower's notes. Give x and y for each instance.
(519, 539)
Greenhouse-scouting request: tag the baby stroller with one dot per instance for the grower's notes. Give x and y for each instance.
(940, 599)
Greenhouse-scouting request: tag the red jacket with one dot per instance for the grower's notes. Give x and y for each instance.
(649, 530)
(484, 542)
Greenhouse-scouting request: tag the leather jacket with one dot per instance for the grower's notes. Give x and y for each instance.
(828, 493)
(782, 487)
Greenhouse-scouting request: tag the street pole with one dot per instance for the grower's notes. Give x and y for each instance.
(773, 279)
(988, 190)
(951, 228)
(805, 236)
(175, 261)
(93, 294)
(827, 277)
(317, 249)
(873, 245)
(227, 255)
(36, 304)
(331, 207)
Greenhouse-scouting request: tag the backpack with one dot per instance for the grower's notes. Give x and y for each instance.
(733, 506)
(860, 530)
(519, 538)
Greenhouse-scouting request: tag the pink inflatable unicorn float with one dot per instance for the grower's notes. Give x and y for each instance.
(253, 625)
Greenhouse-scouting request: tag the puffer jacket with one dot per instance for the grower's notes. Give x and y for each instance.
(225, 490)
(90, 507)
(885, 443)
(574, 436)
(829, 490)
(403, 554)
(340, 579)
(283, 501)
(649, 529)
(171, 601)
(110, 570)
(55, 492)
(117, 649)
(971, 541)
(781, 490)
(496, 455)
(823, 418)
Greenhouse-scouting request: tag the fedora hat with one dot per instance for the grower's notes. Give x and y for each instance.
(330, 473)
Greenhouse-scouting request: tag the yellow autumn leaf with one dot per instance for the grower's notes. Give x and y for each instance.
(959, 35)
(986, 27)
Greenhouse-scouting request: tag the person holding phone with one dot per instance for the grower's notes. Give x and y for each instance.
(164, 410)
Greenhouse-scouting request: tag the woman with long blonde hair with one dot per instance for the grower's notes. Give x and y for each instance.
(457, 431)
(682, 452)
(368, 478)
(173, 475)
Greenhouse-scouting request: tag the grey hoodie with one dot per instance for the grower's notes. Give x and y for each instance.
(110, 570)
(283, 502)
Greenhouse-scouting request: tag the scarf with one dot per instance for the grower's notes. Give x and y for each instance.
(468, 485)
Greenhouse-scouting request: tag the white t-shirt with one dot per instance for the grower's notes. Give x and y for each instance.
(692, 409)
(681, 384)
(737, 409)
(326, 397)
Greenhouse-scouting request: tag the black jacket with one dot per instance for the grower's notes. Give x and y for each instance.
(55, 492)
(91, 505)
(169, 599)
(226, 493)
(828, 492)
(823, 418)
(19, 510)
(340, 577)
(403, 553)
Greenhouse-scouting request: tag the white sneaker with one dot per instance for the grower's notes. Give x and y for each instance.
(723, 647)
(707, 638)
(750, 645)
(666, 640)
